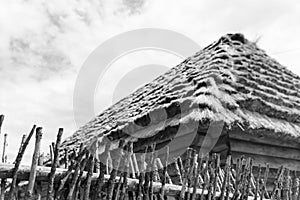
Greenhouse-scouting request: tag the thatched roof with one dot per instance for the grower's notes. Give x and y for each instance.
(230, 80)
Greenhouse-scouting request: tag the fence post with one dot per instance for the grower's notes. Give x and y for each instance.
(34, 162)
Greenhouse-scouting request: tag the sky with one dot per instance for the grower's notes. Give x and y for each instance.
(45, 43)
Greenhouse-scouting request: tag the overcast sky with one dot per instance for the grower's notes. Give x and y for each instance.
(43, 44)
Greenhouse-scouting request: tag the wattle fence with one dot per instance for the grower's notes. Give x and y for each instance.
(145, 177)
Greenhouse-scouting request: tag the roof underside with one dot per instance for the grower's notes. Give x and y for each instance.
(231, 80)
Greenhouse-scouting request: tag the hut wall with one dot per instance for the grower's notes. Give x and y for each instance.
(275, 152)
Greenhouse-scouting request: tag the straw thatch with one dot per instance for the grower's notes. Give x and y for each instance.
(231, 80)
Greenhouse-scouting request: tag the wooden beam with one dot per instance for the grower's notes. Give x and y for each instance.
(262, 139)
(264, 149)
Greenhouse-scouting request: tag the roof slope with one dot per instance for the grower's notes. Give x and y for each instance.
(230, 80)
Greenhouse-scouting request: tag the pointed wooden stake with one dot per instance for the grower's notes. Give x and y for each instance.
(1, 122)
(34, 162)
(89, 178)
(50, 193)
(18, 162)
(4, 148)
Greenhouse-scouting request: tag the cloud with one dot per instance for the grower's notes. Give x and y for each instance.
(44, 43)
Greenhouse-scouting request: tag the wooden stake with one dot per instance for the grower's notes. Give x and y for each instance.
(100, 179)
(264, 185)
(152, 163)
(147, 174)
(140, 189)
(224, 185)
(75, 177)
(41, 160)
(89, 178)
(206, 178)
(128, 154)
(66, 158)
(257, 186)
(64, 177)
(78, 189)
(3, 181)
(185, 174)
(164, 175)
(136, 167)
(4, 148)
(18, 162)
(50, 193)
(51, 153)
(34, 162)
(1, 122)
(113, 174)
(197, 173)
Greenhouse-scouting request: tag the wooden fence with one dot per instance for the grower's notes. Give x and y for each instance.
(123, 175)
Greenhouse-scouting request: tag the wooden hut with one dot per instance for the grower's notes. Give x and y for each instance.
(231, 83)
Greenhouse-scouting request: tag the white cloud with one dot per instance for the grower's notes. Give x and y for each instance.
(44, 43)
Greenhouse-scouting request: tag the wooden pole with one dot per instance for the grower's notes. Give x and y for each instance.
(89, 178)
(50, 193)
(34, 162)
(1, 122)
(75, 176)
(78, 189)
(152, 164)
(4, 148)
(51, 153)
(66, 158)
(64, 177)
(113, 174)
(18, 162)
(128, 154)
(41, 160)
(164, 175)
(3, 181)
(140, 188)
(100, 179)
